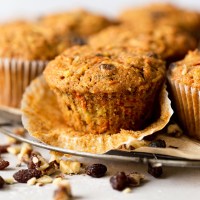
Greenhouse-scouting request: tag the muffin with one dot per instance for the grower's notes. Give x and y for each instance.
(184, 80)
(160, 40)
(81, 22)
(25, 49)
(103, 90)
(162, 14)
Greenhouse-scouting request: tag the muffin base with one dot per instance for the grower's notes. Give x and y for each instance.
(15, 76)
(187, 105)
(43, 119)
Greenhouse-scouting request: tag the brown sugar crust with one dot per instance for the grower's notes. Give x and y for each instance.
(106, 89)
(104, 70)
(30, 41)
(81, 22)
(187, 71)
(160, 40)
(166, 14)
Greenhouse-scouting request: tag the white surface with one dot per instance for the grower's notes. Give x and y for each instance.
(176, 183)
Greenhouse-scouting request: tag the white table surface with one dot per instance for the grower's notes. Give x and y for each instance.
(176, 183)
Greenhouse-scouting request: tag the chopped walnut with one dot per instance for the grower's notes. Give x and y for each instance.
(174, 130)
(70, 167)
(45, 179)
(63, 192)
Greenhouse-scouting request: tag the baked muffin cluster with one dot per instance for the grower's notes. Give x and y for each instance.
(108, 74)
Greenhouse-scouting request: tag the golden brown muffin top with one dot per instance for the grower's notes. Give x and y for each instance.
(104, 70)
(81, 22)
(187, 71)
(29, 41)
(168, 42)
(160, 13)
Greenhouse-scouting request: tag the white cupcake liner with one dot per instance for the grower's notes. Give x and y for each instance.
(187, 105)
(15, 76)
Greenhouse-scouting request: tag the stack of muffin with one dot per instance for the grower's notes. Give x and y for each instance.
(112, 76)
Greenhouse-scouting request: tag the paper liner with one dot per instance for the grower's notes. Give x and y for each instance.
(15, 76)
(187, 104)
(43, 119)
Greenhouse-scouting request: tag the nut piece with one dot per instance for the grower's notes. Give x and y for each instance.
(45, 179)
(155, 169)
(63, 192)
(174, 130)
(11, 140)
(22, 176)
(9, 181)
(3, 164)
(38, 162)
(135, 179)
(127, 190)
(31, 181)
(53, 167)
(119, 181)
(14, 150)
(70, 167)
(2, 182)
(25, 152)
(96, 170)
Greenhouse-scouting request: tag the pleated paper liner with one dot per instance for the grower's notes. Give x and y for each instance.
(15, 76)
(43, 120)
(187, 104)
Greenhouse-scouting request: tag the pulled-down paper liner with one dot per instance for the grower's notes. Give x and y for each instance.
(187, 105)
(43, 120)
(15, 76)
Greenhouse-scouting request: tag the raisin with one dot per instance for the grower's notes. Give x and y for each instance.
(155, 170)
(158, 143)
(22, 176)
(158, 14)
(2, 182)
(107, 67)
(76, 40)
(3, 148)
(3, 164)
(152, 54)
(96, 170)
(119, 181)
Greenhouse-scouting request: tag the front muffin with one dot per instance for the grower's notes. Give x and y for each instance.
(106, 89)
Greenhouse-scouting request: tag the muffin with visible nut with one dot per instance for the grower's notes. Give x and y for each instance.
(171, 43)
(184, 80)
(81, 22)
(25, 49)
(162, 14)
(103, 90)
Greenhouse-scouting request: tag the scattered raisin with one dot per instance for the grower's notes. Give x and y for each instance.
(96, 170)
(119, 181)
(155, 170)
(3, 148)
(158, 143)
(3, 164)
(22, 176)
(2, 182)
(107, 67)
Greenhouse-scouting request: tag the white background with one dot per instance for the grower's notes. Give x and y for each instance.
(176, 183)
(32, 8)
